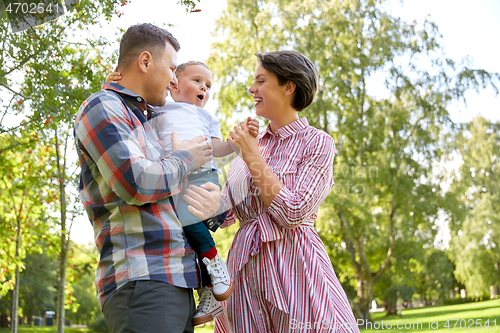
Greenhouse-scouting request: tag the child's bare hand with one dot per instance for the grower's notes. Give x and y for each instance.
(114, 77)
(253, 126)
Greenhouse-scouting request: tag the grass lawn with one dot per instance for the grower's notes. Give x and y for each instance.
(469, 316)
(46, 329)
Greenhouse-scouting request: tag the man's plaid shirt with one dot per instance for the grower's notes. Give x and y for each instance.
(122, 180)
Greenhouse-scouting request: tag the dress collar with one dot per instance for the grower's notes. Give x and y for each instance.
(285, 131)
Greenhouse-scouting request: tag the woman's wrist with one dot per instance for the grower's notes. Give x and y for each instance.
(251, 156)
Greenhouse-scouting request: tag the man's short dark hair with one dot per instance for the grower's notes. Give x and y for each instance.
(295, 67)
(144, 37)
(180, 68)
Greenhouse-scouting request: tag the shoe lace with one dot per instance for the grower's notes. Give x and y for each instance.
(205, 298)
(215, 270)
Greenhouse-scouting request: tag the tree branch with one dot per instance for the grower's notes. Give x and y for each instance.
(388, 256)
(6, 109)
(13, 91)
(17, 144)
(348, 242)
(362, 254)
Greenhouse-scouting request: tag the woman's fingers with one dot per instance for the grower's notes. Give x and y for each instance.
(244, 126)
(253, 126)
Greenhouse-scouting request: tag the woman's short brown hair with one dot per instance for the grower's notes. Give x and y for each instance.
(294, 67)
(144, 37)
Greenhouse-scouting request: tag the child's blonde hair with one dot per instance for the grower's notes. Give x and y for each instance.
(180, 68)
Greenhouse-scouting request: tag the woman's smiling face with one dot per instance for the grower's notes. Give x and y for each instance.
(268, 95)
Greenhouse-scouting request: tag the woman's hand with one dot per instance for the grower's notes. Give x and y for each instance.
(114, 77)
(253, 126)
(244, 139)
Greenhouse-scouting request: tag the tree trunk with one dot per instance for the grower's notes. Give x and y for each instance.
(391, 301)
(4, 321)
(15, 293)
(61, 285)
(391, 308)
(365, 297)
(365, 277)
(63, 257)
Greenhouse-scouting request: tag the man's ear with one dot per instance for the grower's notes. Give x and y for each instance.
(174, 87)
(145, 59)
(290, 88)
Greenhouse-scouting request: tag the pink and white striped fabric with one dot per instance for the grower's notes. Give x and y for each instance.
(284, 279)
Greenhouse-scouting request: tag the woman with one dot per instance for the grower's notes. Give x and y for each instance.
(284, 279)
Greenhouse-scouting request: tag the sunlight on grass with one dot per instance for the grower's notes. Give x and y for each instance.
(208, 328)
(468, 319)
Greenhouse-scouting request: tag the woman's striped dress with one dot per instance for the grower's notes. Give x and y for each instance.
(284, 279)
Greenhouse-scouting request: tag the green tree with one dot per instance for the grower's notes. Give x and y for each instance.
(84, 306)
(399, 282)
(47, 72)
(37, 287)
(385, 190)
(65, 82)
(437, 279)
(23, 210)
(43, 70)
(475, 210)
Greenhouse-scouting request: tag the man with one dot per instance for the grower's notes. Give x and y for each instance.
(146, 267)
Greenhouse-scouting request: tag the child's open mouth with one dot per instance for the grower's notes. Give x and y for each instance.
(200, 97)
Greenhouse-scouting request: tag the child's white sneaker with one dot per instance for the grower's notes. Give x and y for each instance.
(222, 287)
(208, 308)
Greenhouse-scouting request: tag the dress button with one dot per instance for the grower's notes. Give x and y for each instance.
(145, 112)
(139, 99)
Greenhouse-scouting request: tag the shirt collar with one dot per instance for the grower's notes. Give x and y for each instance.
(140, 101)
(285, 131)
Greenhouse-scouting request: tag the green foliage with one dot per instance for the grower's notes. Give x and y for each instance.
(475, 210)
(49, 72)
(43, 46)
(84, 307)
(99, 325)
(25, 189)
(437, 280)
(38, 282)
(189, 4)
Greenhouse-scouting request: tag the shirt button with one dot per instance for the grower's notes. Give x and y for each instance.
(260, 311)
(139, 99)
(145, 112)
